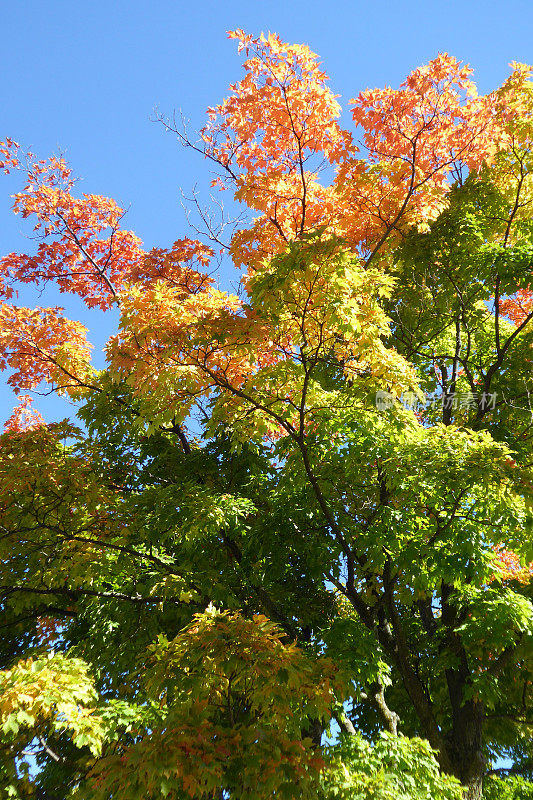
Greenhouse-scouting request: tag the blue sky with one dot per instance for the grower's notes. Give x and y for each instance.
(85, 78)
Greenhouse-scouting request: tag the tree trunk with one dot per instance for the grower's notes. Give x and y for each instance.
(465, 740)
(474, 789)
(466, 747)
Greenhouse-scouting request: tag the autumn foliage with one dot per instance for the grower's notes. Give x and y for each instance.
(302, 504)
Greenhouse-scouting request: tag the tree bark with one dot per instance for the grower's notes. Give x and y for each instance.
(465, 740)
(474, 789)
(466, 749)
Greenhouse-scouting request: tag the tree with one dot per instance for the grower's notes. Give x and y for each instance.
(304, 506)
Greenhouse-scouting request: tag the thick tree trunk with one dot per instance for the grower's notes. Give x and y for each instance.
(466, 746)
(473, 790)
(465, 740)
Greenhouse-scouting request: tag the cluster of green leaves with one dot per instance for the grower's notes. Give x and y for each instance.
(394, 768)
(510, 788)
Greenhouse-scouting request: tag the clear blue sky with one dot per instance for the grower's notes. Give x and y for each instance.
(84, 78)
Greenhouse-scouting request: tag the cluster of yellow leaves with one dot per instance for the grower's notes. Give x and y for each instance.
(512, 172)
(514, 106)
(174, 347)
(282, 218)
(51, 692)
(166, 310)
(313, 305)
(224, 650)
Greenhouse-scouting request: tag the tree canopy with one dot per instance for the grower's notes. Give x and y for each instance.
(283, 548)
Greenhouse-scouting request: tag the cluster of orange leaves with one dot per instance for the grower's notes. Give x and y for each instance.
(509, 567)
(519, 307)
(279, 127)
(271, 139)
(83, 248)
(24, 417)
(84, 251)
(41, 344)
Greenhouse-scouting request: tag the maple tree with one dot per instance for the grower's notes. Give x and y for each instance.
(260, 529)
